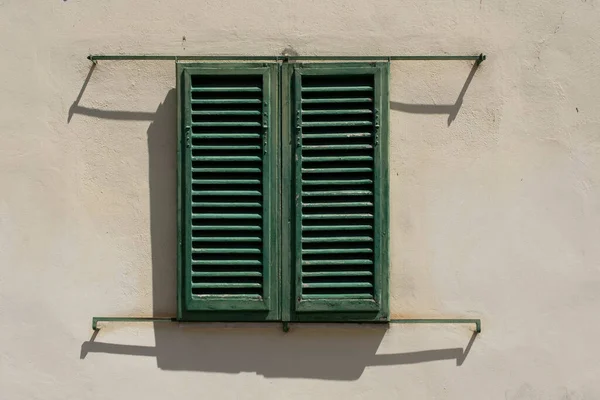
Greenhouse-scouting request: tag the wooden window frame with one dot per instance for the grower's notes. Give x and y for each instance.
(282, 299)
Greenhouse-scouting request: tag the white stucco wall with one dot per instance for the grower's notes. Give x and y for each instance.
(495, 202)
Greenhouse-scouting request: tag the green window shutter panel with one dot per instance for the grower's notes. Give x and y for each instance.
(341, 186)
(228, 197)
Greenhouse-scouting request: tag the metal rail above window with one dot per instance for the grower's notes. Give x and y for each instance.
(158, 57)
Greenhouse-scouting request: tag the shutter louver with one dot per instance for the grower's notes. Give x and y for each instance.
(229, 193)
(338, 218)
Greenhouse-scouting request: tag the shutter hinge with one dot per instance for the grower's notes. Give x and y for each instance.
(298, 126)
(265, 129)
(376, 127)
(188, 136)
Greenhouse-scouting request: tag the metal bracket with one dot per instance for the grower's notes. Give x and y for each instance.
(265, 128)
(188, 136)
(376, 127)
(480, 59)
(298, 126)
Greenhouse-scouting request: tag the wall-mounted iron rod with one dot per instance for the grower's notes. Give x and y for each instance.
(157, 57)
(475, 321)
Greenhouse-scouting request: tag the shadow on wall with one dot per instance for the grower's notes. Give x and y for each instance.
(308, 351)
(450, 109)
(315, 352)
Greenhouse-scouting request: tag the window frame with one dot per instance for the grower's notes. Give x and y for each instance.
(282, 132)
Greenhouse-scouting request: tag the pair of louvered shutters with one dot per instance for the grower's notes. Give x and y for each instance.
(283, 192)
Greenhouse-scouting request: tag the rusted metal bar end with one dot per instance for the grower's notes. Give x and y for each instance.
(95, 320)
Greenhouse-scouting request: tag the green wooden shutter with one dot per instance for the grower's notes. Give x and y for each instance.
(341, 186)
(228, 196)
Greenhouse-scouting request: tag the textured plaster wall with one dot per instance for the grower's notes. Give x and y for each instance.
(495, 202)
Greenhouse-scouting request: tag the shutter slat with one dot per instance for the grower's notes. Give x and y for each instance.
(226, 193)
(338, 262)
(226, 251)
(226, 158)
(337, 239)
(223, 204)
(336, 251)
(336, 273)
(336, 123)
(226, 123)
(337, 216)
(227, 239)
(336, 112)
(225, 136)
(338, 100)
(226, 181)
(337, 158)
(327, 296)
(337, 88)
(224, 170)
(336, 135)
(227, 262)
(226, 89)
(338, 227)
(225, 285)
(227, 216)
(338, 147)
(335, 170)
(338, 193)
(226, 112)
(338, 182)
(219, 274)
(335, 285)
(225, 101)
(339, 204)
(200, 228)
(226, 147)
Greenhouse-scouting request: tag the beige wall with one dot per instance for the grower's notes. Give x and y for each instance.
(495, 202)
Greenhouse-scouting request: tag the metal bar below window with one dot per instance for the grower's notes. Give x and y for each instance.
(286, 324)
